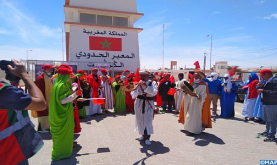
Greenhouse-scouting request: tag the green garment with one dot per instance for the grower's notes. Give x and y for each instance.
(82, 112)
(61, 119)
(120, 96)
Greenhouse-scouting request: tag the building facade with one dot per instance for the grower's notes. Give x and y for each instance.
(221, 67)
(102, 31)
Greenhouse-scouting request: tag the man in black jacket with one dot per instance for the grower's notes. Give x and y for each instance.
(164, 87)
(269, 99)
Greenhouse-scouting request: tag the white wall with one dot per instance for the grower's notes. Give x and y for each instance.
(120, 5)
(79, 43)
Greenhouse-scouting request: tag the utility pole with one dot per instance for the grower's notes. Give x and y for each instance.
(62, 44)
(211, 35)
(204, 61)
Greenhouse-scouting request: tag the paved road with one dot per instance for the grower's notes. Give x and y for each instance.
(110, 139)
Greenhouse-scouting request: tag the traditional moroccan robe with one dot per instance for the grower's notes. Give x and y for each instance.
(178, 96)
(107, 92)
(227, 101)
(77, 125)
(95, 83)
(258, 108)
(44, 83)
(144, 121)
(130, 102)
(250, 100)
(195, 112)
(61, 118)
(158, 96)
(120, 96)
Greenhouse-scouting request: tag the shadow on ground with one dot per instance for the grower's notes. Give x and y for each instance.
(48, 136)
(155, 148)
(204, 138)
(101, 117)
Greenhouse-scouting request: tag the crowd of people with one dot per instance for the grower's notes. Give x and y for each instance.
(60, 98)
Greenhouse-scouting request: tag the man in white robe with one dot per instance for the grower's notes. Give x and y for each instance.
(144, 94)
(194, 105)
(179, 93)
(107, 90)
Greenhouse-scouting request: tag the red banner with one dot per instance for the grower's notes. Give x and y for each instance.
(105, 43)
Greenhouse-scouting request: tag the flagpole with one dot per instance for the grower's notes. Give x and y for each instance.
(62, 44)
(163, 49)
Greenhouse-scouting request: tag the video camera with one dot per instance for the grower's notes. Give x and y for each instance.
(9, 76)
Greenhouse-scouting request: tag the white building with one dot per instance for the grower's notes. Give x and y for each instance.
(221, 67)
(102, 31)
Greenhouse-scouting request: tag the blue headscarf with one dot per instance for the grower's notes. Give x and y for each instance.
(253, 76)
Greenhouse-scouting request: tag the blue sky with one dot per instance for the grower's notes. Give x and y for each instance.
(244, 31)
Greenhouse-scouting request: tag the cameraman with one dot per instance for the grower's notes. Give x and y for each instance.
(18, 139)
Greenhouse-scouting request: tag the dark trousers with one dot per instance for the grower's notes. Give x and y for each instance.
(169, 105)
(145, 135)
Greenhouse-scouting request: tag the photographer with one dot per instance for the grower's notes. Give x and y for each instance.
(18, 139)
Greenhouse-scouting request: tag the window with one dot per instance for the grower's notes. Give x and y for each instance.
(221, 67)
(120, 21)
(104, 20)
(88, 18)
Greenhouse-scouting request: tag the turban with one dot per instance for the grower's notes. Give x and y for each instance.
(215, 76)
(81, 72)
(103, 70)
(143, 72)
(66, 66)
(166, 74)
(64, 71)
(126, 70)
(47, 66)
(130, 76)
(117, 76)
(265, 71)
(94, 69)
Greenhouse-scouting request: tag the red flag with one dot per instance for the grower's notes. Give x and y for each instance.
(232, 72)
(137, 78)
(105, 43)
(171, 91)
(197, 66)
(172, 79)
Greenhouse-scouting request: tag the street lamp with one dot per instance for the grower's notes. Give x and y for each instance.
(211, 51)
(27, 53)
(204, 61)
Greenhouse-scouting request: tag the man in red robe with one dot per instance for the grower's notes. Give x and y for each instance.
(129, 83)
(44, 83)
(94, 81)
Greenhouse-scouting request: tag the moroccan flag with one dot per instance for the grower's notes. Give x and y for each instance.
(137, 78)
(232, 72)
(197, 66)
(105, 43)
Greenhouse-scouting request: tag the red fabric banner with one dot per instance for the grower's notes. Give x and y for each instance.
(105, 43)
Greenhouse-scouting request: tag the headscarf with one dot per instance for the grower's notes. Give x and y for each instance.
(253, 76)
(215, 76)
(228, 82)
